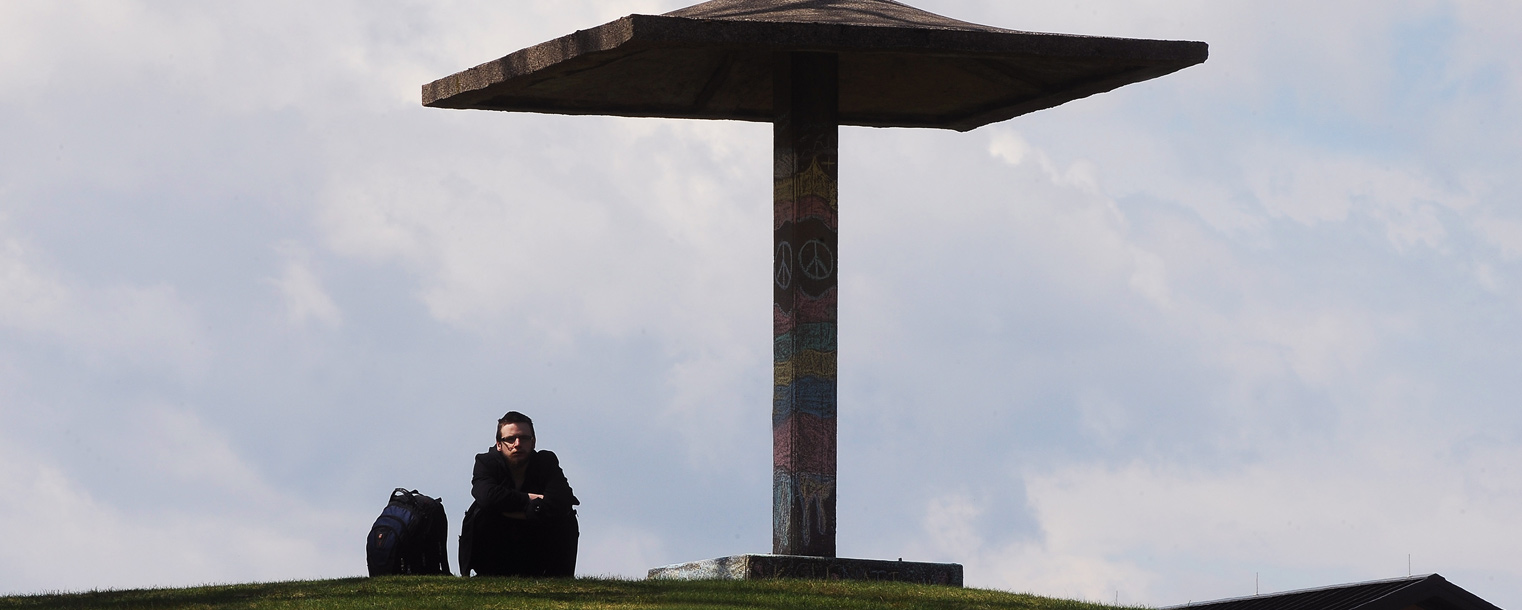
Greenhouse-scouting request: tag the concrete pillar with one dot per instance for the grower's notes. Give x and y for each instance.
(804, 270)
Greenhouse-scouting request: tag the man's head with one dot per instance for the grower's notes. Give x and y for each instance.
(515, 437)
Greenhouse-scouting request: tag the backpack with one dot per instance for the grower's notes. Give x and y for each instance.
(408, 536)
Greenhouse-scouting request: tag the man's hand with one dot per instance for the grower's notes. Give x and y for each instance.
(532, 497)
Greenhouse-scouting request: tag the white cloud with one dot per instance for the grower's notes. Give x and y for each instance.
(176, 444)
(1316, 189)
(1353, 510)
(618, 550)
(107, 325)
(60, 536)
(1502, 233)
(494, 244)
(950, 523)
(1160, 532)
(1321, 345)
(28, 299)
(305, 298)
(1305, 514)
(1045, 568)
(1071, 204)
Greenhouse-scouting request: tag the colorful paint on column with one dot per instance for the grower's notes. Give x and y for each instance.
(804, 289)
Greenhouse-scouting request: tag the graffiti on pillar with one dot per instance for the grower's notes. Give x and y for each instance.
(805, 268)
(814, 495)
(784, 273)
(811, 194)
(806, 265)
(816, 491)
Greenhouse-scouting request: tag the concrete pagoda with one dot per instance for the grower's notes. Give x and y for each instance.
(808, 67)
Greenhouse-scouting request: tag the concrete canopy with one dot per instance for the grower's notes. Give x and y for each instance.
(899, 66)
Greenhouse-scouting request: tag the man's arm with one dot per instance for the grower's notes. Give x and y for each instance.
(557, 490)
(492, 485)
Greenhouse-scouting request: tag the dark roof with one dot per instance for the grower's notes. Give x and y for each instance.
(880, 13)
(899, 66)
(1429, 592)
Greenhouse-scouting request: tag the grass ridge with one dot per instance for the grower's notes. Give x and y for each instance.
(444, 592)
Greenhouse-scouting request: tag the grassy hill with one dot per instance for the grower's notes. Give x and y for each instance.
(513, 593)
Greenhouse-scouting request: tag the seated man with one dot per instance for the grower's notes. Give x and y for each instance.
(521, 523)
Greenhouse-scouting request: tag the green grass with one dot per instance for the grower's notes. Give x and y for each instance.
(514, 593)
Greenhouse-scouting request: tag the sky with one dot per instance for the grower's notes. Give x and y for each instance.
(1257, 323)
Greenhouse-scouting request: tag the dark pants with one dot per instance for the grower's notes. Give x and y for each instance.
(518, 547)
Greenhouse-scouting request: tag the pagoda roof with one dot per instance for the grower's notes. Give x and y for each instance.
(899, 66)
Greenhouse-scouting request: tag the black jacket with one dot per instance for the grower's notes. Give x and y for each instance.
(491, 484)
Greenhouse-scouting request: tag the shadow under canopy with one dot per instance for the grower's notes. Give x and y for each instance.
(898, 66)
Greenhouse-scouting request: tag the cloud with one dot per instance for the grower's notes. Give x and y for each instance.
(259, 533)
(646, 236)
(1311, 190)
(1296, 385)
(1504, 234)
(1299, 516)
(107, 325)
(618, 551)
(305, 298)
(1307, 512)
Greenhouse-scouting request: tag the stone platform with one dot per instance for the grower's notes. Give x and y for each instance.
(759, 567)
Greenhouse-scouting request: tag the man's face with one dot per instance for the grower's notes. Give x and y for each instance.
(516, 442)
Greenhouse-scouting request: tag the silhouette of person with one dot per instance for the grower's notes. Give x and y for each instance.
(522, 522)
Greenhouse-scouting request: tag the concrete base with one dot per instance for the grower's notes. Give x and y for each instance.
(759, 567)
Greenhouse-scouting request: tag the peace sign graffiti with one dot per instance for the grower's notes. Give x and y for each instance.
(805, 261)
(816, 259)
(784, 262)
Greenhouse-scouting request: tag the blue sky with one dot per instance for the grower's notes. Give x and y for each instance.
(1259, 317)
